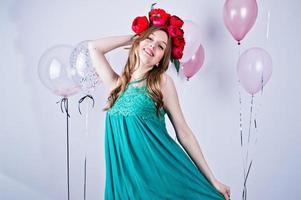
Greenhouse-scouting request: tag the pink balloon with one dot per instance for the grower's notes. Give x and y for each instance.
(239, 17)
(254, 69)
(193, 65)
(55, 71)
(192, 39)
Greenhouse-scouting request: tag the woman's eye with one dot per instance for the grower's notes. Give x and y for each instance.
(160, 46)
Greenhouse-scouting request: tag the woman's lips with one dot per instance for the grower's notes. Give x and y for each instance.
(149, 52)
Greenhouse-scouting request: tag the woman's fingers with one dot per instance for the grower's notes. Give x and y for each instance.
(227, 193)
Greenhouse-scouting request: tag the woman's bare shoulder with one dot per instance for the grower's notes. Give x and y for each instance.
(166, 81)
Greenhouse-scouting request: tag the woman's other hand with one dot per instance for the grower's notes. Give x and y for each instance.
(224, 189)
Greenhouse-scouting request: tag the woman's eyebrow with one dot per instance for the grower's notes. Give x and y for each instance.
(160, 40)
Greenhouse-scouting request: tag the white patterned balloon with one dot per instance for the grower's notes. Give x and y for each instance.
(84, 73)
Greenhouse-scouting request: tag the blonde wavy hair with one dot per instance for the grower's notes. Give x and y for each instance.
(153, 76)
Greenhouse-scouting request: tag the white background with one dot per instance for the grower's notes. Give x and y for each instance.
(33, 129)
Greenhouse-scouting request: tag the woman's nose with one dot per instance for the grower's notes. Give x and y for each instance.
(152, 45)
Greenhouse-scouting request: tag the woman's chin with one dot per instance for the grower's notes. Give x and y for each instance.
(145, 61)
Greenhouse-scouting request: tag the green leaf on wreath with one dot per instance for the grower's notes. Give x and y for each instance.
(176, 63)
(152, 6)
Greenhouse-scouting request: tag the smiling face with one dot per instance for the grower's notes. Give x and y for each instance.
(152, 48)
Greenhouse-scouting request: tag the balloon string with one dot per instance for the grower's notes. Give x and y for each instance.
(244, 195)
(82, 99)
(256, 111)
(249, 133)
(241, 139)
(268, 25)
(86, 132)
(241, 133)
(64, 103)
(85, 178)
(250, 119)
(248, 146)
(240, 119)
(255, 140)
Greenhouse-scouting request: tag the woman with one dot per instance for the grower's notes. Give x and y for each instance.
(142, 160)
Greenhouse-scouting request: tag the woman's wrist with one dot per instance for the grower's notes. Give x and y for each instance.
(134, 37)
(213, 181)
(130, 40)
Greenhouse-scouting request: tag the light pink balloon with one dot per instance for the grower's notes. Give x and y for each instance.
(194, 64)
(239, 17)
(254, 69)
(55, 72)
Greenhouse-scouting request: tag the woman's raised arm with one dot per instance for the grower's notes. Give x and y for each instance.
(98, 48)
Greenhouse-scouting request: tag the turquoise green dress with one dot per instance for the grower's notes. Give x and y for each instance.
(142, 161)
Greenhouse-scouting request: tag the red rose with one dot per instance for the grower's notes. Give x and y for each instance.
(177, 52)
(140, 24)
(178, 41)
(158, 17)
(176, 21)
(175, 31)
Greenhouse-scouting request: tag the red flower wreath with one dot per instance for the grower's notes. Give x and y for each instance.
(173, 24)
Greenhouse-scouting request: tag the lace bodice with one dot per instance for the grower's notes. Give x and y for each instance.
(135, 100)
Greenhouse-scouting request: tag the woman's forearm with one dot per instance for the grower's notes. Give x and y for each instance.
(192, 147)
(97, 50)
(107, 44)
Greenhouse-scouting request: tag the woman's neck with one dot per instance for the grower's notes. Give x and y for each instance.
(140, 72)
(137, 75)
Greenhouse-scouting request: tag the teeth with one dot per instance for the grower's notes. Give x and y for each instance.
(149, 53)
